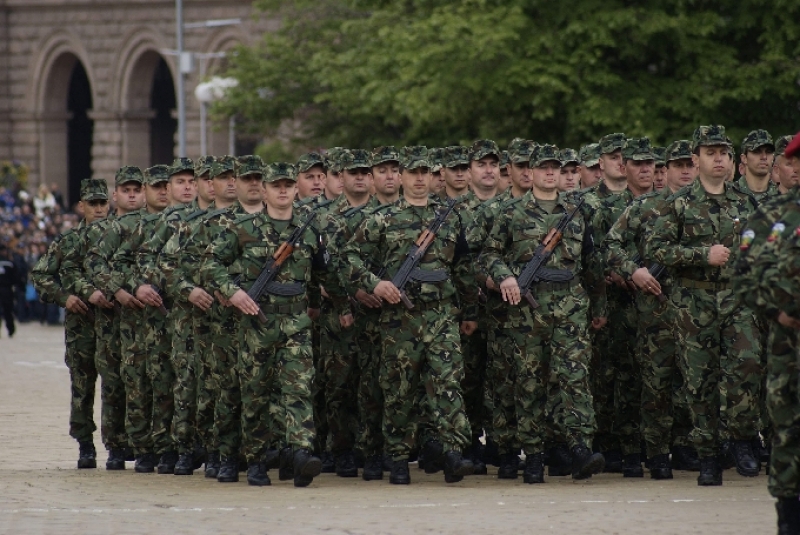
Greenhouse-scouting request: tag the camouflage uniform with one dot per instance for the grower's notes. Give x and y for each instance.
(719, 344)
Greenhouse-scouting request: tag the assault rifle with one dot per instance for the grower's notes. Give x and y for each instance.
(534, 271)
(266, 279)
(409, 269)
(161, 307)
(655, 269)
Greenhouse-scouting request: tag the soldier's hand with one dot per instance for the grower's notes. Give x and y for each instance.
(147, 295)
(224, 301)
(599, 323)
(468, 327)
(509, 289)
(313, 313)
(98, 299)
(127, 300)
(201, 299)
(324, 293)
(243, 302)
(788, 321)
(346, 321)
(388, 292)
(490, 284)
(646, 282)
(718, 255)
(75, 305)
(368, 300)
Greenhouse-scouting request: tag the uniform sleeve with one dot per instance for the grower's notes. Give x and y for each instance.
(76, 280)
(360, 251)
(464, 278)
(123, 262)
(784, 290)
(663, 243)
(492, 260)
(173, 262)
(618, 242)
(147, 257)
(102, 244)
(45, 275)
(223, 250)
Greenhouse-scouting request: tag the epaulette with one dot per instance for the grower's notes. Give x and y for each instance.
(383, 207)
(174, 216)
(511, 202)
(354, 210)
(246, 217)
(214, 213)
(194, 215)
(323, 204)
(129, 214)
(152, 217)
(305, 202)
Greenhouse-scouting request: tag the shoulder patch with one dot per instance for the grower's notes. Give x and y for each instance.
(747, 238)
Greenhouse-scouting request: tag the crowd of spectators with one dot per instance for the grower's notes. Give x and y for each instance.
(28, 224)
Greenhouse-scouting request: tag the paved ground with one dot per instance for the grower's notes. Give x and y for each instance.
(42, 492)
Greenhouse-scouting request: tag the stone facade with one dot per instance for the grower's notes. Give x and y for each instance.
(47, 119)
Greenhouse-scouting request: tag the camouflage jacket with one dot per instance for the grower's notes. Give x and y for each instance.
(340, 232)
(783, 286)
(385, 238)
(691, 221)
(771, 191)
(78, 279)
(250, 242)
(103, 239)
(124, 262)
(110, 262)
(148, 256)
(47, 275)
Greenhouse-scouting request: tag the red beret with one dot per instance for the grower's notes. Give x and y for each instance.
(793, 147)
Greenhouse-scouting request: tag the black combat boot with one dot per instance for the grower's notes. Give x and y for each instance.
(167, 463)
(399, 474)
(387, 462)
(145, 463)
(199, 456)
(432, 452)
(491, 453)
(272, 458)
(710, 472)
(87, 456)
(328, 463)
(746, 463)
(116, 460)
(685, 458)
(788, 515)
(613, 463)
(534, 469)
(660, 467)
(212, 465)
(475, 454)
(346, 465)
(585, 463)
(257, 474)
(509, 466)
(185, 465)
(559, 461)
(285, 464)
(129, 456)
(456, 466)
(306, 467)
(373, 467)
(632, 466)
(228, 469)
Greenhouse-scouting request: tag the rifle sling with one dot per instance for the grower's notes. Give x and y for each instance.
(425, 275)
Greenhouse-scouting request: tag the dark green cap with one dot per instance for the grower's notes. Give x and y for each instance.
(781, 143)
(156, 174)
(280, 171)
(709, 136)
(545, 153)
(309, 160)
(568, 156)
(504, 160)
(679, 150)
(415, 157)
(203, 166)
(756, 139)
(129, 173)
(332, 159)
(93, 189)
(660, 154)
(385, 154)
(482, 148)
(436, 157)
(249, 165)
(612, 142)
(179, 165)
(355, 159)
(638, 149)
(590, 154)
(455, 155)
(223, 164)
(521, 151)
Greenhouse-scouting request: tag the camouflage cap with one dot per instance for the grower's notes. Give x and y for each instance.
(203, 166)
(544, 153)
(568, 156)
(504, 159)
(180, 165)
(709, 136)
(355, 159)
(679, 150)
(638, 149)
(590, 154)
(611, 143)
(280, 171)
(332, 159)
(415, 157)
(309, 160)
(223, 164)
(522, 151)
(781, 143)
(482, 148)
(516, 142)
(385, 154)
(660, 153)
(93, 189)
(756, 139)
(436, 156)
(156, 174)
(455, 155)
(249, 165)
(129, 173)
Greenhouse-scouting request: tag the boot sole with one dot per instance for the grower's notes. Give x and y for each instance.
(187, 472)
(748, 473)
(372, 477)
(228, 480)
(715, 483)
(166, 470)
(313, 468)
(253, 483)
(594, 466)
(115, 466)
(140, 470)
(405, 481)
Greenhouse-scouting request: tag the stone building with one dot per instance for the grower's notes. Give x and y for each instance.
(87, 86)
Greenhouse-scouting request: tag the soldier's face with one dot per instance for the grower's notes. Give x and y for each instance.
(787, 175)
(182, 188)
(456, 178)
(225, 187)
(612, 166)
(94, 210)
(546, 175)
(156, 196)
(660, 177)
(795, 163)
(250, 189)
(386, 178)
(280, 194)
(521, 175)
(437, 183)
(416, 182)
(485, 172)
(205, 189)
(504, 182)
(129, 196)
(333, 184)
(357, 181)
(758, 161)
(569, 178)
(590, 175)
(639, 174)
(713, 163)
(311, 183)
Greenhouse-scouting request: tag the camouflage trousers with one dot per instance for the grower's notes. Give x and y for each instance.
(665, 415)
(185, 362)
(276, 373)
(422, 346)
(108, 360)
(207, 388)
(320, 412)
(720, 363)
(783, 405)
(80, 359)
(138, 388)
(622, 327)
(341, 377)
(158, 347)
(602, 382)
(551, 340)
(370, 395)
(473, 387)
(225, 324)
(500, 378)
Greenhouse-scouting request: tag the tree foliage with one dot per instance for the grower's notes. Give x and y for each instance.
(369, 72)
